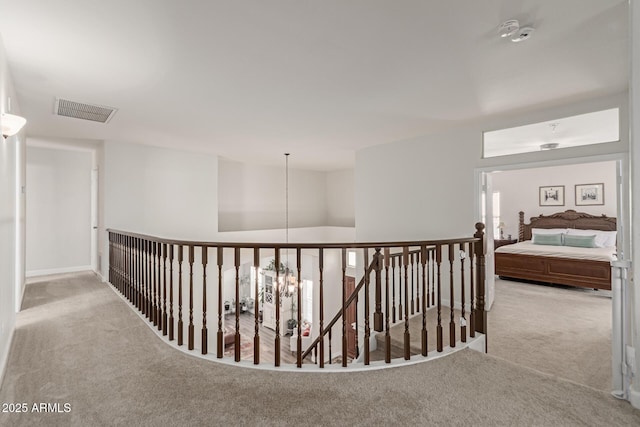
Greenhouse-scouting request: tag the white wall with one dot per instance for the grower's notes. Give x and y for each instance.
(417, 189)
(158, 191)
(519, 190)
(341, 198)
(58, 210)
(296, 235)
(635, 185)
(253, 197)
(9, 217)
(426, 187)
(429, 187)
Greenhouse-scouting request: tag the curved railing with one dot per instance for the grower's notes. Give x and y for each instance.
(251, 291)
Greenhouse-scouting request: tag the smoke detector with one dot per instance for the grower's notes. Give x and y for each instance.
(522, 34)
(508, 28)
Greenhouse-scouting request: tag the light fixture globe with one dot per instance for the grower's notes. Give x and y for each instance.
(11, 124)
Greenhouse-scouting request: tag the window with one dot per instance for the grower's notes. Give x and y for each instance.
(307, 301)
(585, 129)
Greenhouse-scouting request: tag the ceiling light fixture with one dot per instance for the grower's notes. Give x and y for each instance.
(508, 28)
(11, 124)
(288, 281)
(549, 146)
(511, 29)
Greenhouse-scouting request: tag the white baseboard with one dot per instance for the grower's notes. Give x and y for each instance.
(4, 357)
(479, 344)
(23, 289)
(634, 397)
(46, 272)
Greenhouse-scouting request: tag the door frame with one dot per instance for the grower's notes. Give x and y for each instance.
(621, 323)
(94, 148)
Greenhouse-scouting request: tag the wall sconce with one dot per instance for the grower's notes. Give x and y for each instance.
(11, 124)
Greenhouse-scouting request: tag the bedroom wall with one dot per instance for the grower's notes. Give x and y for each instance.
(58, 210)
(519, 190)
(252, 197)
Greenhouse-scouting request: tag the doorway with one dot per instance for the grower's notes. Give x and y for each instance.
(61, 208)
(352, 343)
(574, 332)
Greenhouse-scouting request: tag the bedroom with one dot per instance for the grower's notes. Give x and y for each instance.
(568, 328)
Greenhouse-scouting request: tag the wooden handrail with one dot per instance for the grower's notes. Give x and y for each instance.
(350, 300)
(247, 245)
(138, 269)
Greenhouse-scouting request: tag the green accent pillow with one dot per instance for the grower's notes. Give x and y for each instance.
(548, 239)
(580, 241)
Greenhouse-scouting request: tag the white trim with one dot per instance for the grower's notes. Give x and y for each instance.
(621, 159)
(479, 344)
(634, 397)
(307, 368)
(554, 162)
(22, 291)
(4, 358)
(46, 272)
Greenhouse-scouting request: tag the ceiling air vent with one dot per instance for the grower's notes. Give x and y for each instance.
(78, 110)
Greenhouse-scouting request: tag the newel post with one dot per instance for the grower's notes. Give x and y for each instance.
(377, 315)
(480, 313)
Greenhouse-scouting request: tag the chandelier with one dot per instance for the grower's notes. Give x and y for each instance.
(287, 282)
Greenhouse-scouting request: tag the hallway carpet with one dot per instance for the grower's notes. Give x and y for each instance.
(562, 331)
(78, 343)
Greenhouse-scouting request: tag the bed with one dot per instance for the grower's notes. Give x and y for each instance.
(531, 259)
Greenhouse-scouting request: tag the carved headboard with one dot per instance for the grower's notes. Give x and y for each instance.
(566, 219)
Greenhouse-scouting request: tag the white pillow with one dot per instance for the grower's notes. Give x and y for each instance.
(604, 239)
(548, 231)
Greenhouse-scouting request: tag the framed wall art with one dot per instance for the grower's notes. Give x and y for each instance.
(552, 196)
(589, 194)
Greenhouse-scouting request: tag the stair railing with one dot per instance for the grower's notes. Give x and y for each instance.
(170, 283)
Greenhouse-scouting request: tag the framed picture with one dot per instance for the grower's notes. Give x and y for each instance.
(552, 196)
(589, 194)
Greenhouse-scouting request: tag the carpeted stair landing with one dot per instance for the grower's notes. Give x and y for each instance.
(77, 342)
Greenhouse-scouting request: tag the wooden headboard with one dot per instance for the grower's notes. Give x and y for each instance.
(566, 219)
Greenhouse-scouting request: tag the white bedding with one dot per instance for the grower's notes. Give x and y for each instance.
(528, 248)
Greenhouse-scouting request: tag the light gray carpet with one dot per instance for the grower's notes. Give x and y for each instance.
(79, 343)
(562, 331)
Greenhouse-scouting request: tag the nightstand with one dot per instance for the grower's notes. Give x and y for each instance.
(502, 242)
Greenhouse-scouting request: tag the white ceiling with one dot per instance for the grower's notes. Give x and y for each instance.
(251, 79)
